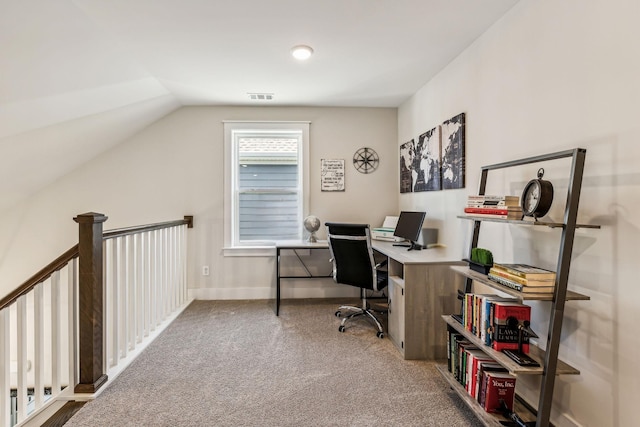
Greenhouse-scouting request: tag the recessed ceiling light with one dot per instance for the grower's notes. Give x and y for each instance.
(301, 52)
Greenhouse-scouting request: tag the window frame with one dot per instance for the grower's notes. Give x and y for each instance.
(233, 130)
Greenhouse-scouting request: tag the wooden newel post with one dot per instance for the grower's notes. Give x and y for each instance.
(90, 303)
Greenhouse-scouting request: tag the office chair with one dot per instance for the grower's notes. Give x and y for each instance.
(354, 265)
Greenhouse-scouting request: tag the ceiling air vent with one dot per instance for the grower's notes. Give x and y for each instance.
(261, 96)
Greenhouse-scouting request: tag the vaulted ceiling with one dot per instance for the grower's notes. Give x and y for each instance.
(80, 76)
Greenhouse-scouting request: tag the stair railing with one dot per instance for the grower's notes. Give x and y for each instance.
(146, 282)
(109, 295)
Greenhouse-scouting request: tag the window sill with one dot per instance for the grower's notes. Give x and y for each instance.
(250, 251)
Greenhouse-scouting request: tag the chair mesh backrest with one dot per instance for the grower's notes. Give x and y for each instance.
(350, 246)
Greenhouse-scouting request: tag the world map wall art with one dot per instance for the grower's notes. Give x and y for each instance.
(436, 160)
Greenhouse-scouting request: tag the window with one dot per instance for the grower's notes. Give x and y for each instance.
(266, 177)
(267, 187)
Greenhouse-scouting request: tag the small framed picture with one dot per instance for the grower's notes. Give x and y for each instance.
(332, 178)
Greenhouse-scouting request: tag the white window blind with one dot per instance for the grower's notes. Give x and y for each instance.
(268, 189)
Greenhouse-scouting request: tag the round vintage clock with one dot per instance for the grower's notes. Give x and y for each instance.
(365, 160)
(537, 197)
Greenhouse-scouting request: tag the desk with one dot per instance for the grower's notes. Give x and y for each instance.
(422, 287)
(293, 245)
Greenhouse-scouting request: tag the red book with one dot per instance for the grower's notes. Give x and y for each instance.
(474, 358)
(506, 317)
(483, 368)
(492, 211)
(498, 387)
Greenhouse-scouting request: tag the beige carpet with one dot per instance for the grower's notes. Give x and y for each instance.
(234, 363)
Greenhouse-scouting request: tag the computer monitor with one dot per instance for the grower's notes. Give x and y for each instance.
(409, 227)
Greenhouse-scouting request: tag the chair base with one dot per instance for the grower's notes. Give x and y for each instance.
(359, 311)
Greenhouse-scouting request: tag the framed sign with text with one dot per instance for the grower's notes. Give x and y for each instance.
(332, 178)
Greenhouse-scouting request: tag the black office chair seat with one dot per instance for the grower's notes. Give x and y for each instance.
(354, 265)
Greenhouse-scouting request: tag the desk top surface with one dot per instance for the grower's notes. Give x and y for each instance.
(437, 255)
(301, 244)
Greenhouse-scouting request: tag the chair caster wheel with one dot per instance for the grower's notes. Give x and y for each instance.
(340, 328)
(380, 334)
(338, 313)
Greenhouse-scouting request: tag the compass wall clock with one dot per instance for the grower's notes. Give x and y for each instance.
(365, 160)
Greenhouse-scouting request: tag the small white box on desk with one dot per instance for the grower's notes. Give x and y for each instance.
(385, 234)
(386, 231)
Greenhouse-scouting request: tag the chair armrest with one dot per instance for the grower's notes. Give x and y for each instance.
(382, 263)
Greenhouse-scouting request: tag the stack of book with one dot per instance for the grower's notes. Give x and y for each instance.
(484, 380)
(501, 207)
(486, 316)
(524, 278)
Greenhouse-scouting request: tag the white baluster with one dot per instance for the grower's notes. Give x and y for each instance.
(107, 301)
(184, 263)
(169, 296)
(56, 334)
(21, 327)
(72, 325)
(38, 345)
(123, 294)
(165, 274)
(114, 304)
(159, 276)
(176, 266)
(139, 287)
(5, 362)
(147, 283)
(131, 291)
(171, 271)
(153, 267)
(167, 261)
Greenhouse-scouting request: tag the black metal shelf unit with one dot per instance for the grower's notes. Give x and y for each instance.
(560, 295)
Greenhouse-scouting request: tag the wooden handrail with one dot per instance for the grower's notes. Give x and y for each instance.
(188, 221)
(64, 259)
(40, 276)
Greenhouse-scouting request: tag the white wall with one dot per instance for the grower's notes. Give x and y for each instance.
(548, 77)
(175, 168)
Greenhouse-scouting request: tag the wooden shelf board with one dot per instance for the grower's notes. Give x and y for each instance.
(483, 278)
(398, 280)
(488, 419)
(534, 351)
(525, 222)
